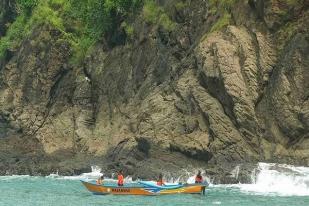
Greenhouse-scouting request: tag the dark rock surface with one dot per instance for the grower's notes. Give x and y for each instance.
(167, 101)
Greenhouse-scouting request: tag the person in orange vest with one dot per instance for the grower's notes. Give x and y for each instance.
(120, 178)
(100, 180)
(160, 180)
(198, 178)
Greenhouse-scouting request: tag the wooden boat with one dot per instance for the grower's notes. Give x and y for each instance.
(144, 188)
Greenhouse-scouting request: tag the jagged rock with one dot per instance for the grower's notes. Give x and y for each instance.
(185, 99)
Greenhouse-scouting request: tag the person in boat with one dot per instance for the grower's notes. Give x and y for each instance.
(120, 178)
(100, 180)
(160, 180)
(198, 178)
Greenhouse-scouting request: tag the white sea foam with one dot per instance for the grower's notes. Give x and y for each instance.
(13, 177)
(278, 179)
(94, 174)
(187, 176)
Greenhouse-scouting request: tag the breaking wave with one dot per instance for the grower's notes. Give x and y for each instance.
(95, 173)
(278, 179)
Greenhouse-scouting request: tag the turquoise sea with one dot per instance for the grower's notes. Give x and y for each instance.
(31, 191)
(270, 188)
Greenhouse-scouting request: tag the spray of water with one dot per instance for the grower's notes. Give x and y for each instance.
(278, 179)
(93, 175)
(235, 172)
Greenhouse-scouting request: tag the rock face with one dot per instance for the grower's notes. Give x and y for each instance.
(167, 101)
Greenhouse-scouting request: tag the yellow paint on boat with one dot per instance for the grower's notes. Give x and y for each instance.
(101, 189)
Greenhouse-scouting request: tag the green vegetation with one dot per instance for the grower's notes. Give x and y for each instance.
(285, 34)
(128, 29)
(14, 35)
(181, 5)
(221, 5)
(45, 14)
(155, 14)
(26, 6)
(222, 8)
(31, 14)
(83, 22)
(221, 23)
(292, 2)
(95, 18)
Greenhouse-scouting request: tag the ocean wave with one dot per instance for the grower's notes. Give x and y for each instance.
(276, 180)
(267, 179)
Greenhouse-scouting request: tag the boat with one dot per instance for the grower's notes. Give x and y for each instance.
(144, 188)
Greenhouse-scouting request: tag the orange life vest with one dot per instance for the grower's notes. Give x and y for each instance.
(120, 179)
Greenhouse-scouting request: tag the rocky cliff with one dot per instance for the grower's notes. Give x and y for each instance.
(225, 84)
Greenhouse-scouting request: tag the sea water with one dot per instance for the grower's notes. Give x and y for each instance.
(271, 185)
